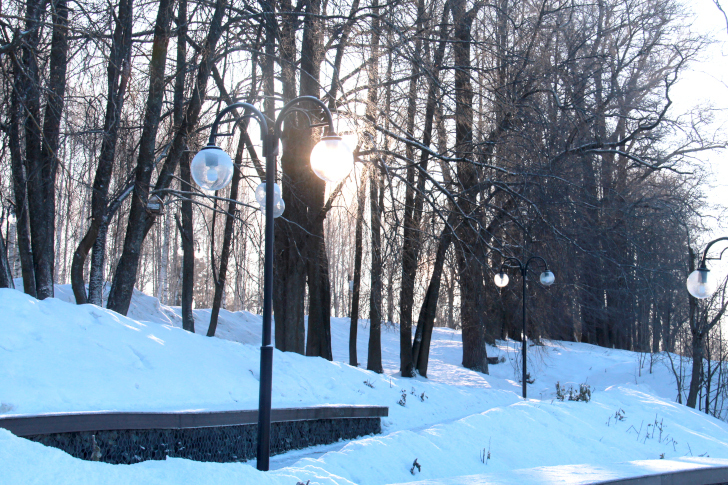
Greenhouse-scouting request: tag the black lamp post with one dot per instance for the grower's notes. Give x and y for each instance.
(501, 280)
(700, 283)
(212, 169)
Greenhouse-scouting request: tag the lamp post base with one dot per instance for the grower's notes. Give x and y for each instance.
(264, 406)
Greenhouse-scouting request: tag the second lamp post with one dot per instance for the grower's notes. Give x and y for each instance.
(212, 169)
(501, 280)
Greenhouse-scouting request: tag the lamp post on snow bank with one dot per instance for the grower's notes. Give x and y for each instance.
(501, 280)
(701, 284)
(212, 169)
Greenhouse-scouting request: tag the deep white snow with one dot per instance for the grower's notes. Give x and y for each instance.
(56, 357)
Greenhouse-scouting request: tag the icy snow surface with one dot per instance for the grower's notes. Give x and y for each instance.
(59, 357)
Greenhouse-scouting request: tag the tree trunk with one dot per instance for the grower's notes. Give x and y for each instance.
(118, 71)
(470, 277)
(708, 376)
(411, 219)
(140, 222)
(450, 297)
(6, 276)
(43, 224)
(126, 270)
(34, 171)
(289, 266)
(226, 241)
(164, 261)
(698, 347)
(232, 206)
(428, 312)
(318, 339)
(374, 358)
(98, 258)
(22, 225)
(414, 201)
(188, 247)
(358, 250)
(187, 232)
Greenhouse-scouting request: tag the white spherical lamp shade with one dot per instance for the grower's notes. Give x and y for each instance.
(547, 278)
(701, 283)
(332, 159)
(260, 193)
(501, 280)
(279, 207)
(212, 168)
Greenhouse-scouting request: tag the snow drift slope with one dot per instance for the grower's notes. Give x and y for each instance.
(59, 357)
(55, 356)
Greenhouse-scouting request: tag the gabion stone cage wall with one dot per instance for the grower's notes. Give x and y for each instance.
(224, 442)
(219, 444)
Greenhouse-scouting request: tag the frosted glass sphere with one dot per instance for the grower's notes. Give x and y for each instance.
(332, 159)
(260, 193)
(501, 280)
(547, 278)
(212, 168)
(278, 207)
(701, 284)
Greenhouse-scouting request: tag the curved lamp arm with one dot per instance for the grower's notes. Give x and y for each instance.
(249, 108)
(290, 106)
(536, 258)
(287, 109)
(523, 267)
(707, 248)
(511, 259)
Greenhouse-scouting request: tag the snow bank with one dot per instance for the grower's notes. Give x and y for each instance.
(59, 357)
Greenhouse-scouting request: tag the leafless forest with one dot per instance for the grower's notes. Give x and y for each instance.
(482, 129)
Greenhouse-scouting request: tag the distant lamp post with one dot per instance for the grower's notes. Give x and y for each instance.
(212, 169)
(701, 284)
(501, 280)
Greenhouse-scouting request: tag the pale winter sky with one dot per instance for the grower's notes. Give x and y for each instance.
(707, 83)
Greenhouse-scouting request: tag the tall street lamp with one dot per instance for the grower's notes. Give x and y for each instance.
(501, 280)
(212, 169)
(701, 284)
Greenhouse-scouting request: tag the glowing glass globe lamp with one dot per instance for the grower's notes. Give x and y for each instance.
(501, 280)
(332, 159)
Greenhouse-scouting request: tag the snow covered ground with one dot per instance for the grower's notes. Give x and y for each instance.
(461, 426)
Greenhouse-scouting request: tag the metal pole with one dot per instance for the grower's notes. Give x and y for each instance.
(266, 350)
(524, 350)
(270, 150)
